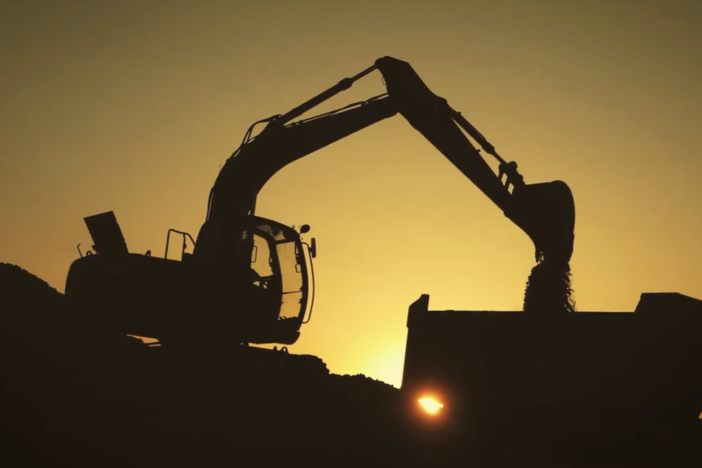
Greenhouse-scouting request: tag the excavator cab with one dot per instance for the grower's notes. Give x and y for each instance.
(115, 290)
(280, 269)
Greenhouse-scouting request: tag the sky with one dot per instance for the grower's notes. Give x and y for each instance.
(133, 106)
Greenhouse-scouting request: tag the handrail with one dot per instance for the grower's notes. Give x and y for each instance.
(185, 243)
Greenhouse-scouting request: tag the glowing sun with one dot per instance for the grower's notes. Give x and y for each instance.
(430, 405)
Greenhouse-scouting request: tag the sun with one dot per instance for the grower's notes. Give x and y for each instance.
(430, 405)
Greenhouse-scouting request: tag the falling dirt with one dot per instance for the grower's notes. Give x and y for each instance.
(548, 290)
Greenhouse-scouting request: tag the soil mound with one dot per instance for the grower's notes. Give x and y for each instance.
(21, 291)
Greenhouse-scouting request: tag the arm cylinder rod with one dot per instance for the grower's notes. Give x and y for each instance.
(475, 134)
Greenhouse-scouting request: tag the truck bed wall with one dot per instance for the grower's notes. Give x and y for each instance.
(498, 369)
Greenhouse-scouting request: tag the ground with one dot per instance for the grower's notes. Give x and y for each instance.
(75, 398)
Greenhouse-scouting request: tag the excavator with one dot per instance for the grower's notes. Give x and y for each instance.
(250, 279)
(580, 378)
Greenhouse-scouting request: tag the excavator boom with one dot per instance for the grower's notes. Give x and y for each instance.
(248, 170)
(279, 144)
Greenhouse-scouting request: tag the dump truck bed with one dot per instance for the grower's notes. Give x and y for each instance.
(583, 375)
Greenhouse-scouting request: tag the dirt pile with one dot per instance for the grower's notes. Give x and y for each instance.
(22, 291)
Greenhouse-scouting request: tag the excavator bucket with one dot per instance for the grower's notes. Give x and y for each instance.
(546, 212)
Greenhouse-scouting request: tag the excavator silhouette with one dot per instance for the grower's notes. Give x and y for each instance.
(250, 279)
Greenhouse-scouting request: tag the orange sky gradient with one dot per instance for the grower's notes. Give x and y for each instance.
(134, 106)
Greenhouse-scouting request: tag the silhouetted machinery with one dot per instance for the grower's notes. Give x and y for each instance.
(249, 279)
(585, 379)
(539, 372)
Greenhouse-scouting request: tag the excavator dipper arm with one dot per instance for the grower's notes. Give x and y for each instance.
(431, 116)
